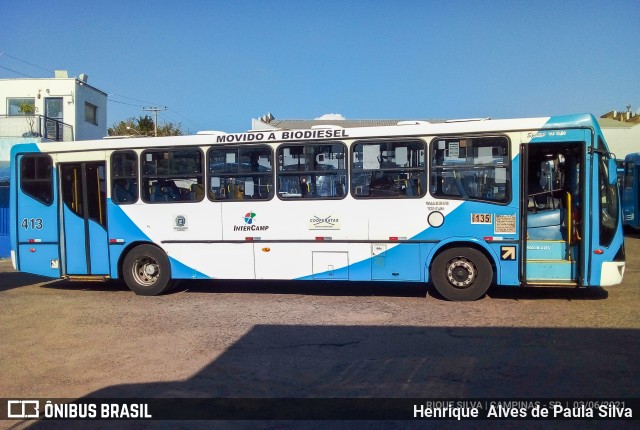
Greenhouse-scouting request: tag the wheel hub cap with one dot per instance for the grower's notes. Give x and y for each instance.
(461, 273)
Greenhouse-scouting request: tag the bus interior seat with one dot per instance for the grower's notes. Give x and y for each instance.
(197, 193)
(122, 194)
(546, 225)
(412, 187)
(156, 193)
(170, 194)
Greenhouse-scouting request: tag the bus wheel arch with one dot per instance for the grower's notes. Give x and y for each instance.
(146, 269)
(462, 271)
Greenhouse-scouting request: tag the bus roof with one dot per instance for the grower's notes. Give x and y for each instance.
(405, 129)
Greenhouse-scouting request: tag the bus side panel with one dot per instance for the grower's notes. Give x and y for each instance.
(37, 232)
(122, 231)
(211, 260)
(489, 227)
(74, 239)
(39, 259)
(99, 254)
(395, 263)
(288, 260)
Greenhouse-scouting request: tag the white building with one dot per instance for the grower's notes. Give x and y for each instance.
(621, 131)
(73, 109)
(45, 109)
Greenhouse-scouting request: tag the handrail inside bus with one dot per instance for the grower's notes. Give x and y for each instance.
(569, 222)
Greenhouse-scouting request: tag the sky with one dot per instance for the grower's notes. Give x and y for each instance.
(217, 64)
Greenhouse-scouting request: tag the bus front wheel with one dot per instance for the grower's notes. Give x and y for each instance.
(461, 274)
(146, 270)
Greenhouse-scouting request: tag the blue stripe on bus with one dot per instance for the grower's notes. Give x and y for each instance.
(122, 227)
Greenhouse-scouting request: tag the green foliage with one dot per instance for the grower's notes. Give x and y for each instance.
(143, 126)
(27, 108)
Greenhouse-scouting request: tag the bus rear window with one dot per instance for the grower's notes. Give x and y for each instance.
(36, 179)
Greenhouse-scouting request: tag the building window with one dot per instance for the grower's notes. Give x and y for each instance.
(388, 169)
(21, 106)
(173, 175)
(471, 169)
(239, 173)
(91, 113)
(312, 171)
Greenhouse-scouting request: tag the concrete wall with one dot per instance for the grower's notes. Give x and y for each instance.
(623, 140)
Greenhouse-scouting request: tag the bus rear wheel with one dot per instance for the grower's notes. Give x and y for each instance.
(146, 270)
(461, 274)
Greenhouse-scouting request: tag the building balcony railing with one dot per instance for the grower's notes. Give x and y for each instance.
(35, 126)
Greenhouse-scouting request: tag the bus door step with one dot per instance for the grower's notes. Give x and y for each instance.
(547, 283)
(546, 250)
(87, 278)
(551, 270)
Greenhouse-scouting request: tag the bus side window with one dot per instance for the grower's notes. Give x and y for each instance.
(388, 169)
(124, 177)
(240, 172)
(312, 171)
(170, 175)
(471, 168)
(36, 179)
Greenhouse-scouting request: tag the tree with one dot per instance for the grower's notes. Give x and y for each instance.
(29, 109)
(144, 126)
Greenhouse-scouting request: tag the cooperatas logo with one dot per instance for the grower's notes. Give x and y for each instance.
(324, 223)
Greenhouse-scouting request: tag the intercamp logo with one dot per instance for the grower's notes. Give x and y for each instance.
(249, 223)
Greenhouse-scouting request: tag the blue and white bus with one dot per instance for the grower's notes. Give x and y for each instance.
(630, 190)
(461, 204)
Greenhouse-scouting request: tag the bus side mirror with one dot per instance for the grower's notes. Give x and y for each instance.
(613, 171)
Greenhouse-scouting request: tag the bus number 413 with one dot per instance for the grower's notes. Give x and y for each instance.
(32, 223)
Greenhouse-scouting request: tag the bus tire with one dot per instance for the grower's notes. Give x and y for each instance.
(146, 270)
(461, 274)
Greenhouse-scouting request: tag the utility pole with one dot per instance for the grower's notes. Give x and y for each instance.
(155, 111)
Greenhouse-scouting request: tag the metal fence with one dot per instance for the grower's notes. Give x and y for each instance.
(35, 126)
(4, 221)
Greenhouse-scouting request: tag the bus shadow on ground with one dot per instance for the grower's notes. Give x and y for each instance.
(106, 286)
(317, 288)
(11, 280)
(548, 293)
(383, 362)
(335, 288)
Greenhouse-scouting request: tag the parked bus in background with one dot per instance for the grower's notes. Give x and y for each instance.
(630, 189)
(461, 204)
